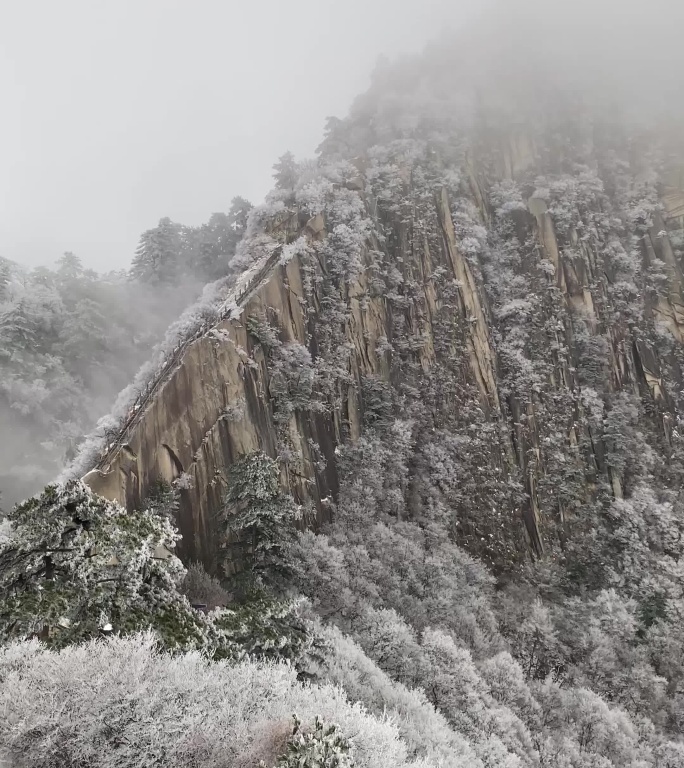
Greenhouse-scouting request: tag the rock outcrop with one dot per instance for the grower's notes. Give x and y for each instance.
(521, 291)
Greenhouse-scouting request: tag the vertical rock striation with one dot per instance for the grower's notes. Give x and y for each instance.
(509, 291)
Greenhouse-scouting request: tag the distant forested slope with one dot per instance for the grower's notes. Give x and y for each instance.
(71, 339)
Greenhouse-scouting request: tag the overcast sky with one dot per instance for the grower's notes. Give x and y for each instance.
(118, 112)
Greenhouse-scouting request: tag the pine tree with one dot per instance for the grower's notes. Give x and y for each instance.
(69, 267)
(157, 257)
(238, 214)
(286, 172)
(216, 246)
(335, 143)
(261, 516)
(75, 562)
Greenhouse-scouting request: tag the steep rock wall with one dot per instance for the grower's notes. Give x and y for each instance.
(214, 405)
(384, 319)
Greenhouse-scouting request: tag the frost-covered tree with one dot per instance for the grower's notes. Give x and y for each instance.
(76, 563)
(211, 247)
(74, 566)
(157, 257)
(261, 517)
(292, 380)
(286, 172)
(238, 214)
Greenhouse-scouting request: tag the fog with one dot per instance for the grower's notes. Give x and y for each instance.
(612, 49)
(116, 114)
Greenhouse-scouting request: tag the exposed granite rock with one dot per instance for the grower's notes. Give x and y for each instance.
(215, 404)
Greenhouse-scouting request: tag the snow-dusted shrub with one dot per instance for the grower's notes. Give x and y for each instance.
(425, 731)
(571, 198)
(322, 747)
(263, 332)
(506, 198)
(200, 587)
(122, 703)
(299, 247)
(376, 395)
(5, 531)
(292, 379)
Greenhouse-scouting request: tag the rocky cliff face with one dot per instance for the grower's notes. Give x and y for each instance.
(501, 298)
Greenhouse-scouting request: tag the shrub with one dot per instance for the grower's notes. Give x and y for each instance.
(324, 747)
(200, 587)
(123, 703)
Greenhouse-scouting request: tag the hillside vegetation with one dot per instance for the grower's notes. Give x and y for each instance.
(498, 579)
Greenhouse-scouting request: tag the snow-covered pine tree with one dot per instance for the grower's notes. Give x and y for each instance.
(157, 257)
(285, 172)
